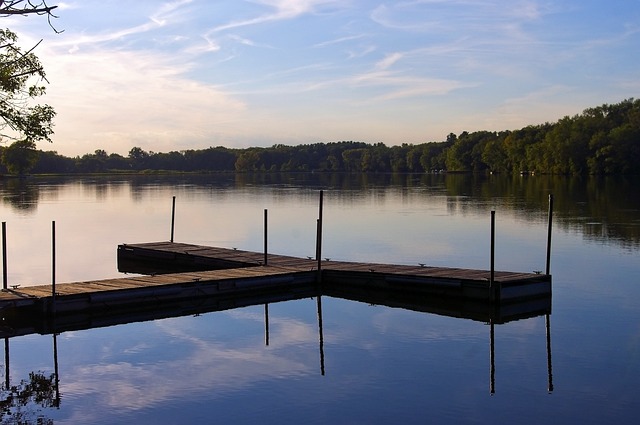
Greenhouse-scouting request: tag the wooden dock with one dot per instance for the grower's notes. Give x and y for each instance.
(201, 273)
(150, 258)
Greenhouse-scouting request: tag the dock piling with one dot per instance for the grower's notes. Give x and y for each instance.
(548, 266)
(173, 216)
(265, 236)
(319, 232)
(493, 249)
(4, 255)
(53, 266)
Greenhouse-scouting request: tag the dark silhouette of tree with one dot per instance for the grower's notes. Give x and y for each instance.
(20, 157)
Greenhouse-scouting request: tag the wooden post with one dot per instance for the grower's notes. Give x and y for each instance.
(493, 250)
(319, 232)
(173, 216)
(265, 237)
(4, 255)
(548, 268)
(53, 267)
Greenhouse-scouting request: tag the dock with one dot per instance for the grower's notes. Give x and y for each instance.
(167, 273)
(159, 257)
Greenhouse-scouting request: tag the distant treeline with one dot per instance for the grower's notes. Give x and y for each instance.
(601, 140)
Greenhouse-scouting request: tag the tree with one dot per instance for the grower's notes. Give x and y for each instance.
(21, 121)
(26, 7)
(20, 157)
(138, 157)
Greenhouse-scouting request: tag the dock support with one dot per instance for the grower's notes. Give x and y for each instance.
(4, 255)
(53, 267)
(265, 237)
(173, 216)
(319, 233)
(548, 267)
(493, 251)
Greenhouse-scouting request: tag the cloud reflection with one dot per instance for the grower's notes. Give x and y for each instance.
(203, 364)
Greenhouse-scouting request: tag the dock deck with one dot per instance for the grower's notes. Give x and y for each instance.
(157, 257)
(177, 271)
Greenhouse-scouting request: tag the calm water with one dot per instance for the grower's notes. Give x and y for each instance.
(375, 364)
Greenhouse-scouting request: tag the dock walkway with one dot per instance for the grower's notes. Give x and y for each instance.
(178, 271)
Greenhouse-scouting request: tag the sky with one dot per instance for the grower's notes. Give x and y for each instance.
(190, 74)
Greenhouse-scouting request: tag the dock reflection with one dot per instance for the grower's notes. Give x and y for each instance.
(493, 314)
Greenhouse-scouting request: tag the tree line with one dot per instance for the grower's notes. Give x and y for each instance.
(600, 140)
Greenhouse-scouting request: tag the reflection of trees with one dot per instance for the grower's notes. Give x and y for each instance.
(22, 403)
(600, 208)
(21, 195)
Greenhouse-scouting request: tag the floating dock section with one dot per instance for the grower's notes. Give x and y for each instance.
(151, 258)
(169, 274)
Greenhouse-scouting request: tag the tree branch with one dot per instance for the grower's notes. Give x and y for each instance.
(22, 7)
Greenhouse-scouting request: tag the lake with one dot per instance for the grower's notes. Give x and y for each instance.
(362, 363)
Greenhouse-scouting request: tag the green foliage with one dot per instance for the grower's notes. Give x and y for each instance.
(20, 157)
(18, 118)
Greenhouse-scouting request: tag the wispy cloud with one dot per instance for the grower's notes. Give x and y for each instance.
(247, 42)
(167, 11)
(170, 13)
(339, 40)
(396, 86)
(279, 10)
(389, 60)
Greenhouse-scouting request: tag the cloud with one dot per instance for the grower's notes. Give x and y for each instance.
(204, 366)
(120, 99)
(339, 40)
(389, 60)
(280, 10)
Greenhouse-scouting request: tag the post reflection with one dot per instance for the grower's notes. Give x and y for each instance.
(492, 360)
(492, 357)
(320, 334)
(266, 324)
(547, 320)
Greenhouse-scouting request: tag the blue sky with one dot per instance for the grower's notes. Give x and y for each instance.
(189, 74)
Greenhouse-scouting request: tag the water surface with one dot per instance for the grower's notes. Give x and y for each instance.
(366, 363)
